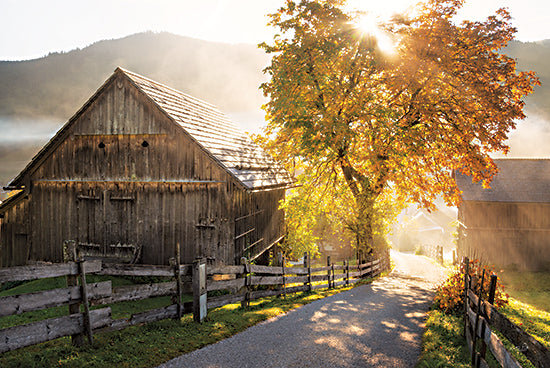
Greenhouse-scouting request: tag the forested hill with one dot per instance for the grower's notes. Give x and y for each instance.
(227, 75)
(57, 85)
(535, 56)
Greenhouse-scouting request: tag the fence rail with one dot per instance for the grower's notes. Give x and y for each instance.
(481, 322)
(241, 283)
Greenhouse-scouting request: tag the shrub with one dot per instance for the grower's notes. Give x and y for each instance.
(450, 295)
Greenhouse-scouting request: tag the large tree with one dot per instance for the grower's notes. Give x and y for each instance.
(444, 99)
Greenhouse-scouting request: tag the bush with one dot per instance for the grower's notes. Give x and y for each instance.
(450, 295)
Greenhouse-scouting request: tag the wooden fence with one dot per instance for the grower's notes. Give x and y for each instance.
(432, 251)
(481, 322)
(241, 283)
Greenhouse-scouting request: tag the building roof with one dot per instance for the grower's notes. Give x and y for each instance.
(518, 180)
(206, 125)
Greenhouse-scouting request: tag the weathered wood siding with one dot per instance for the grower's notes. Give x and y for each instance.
(259, 217)
(504, 233)
(123, 173)
(15, 233)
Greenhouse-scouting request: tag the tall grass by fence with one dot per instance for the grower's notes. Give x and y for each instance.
(212, 286)
(482, 320)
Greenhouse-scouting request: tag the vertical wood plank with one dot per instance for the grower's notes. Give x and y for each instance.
(199, 290)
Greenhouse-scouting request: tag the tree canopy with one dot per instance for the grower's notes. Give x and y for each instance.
(443, 100)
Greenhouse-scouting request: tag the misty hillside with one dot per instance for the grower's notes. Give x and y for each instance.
(226, 75)
(38, 96)
(534, 56)
(57, 85)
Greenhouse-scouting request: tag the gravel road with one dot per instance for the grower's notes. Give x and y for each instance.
(376, 325)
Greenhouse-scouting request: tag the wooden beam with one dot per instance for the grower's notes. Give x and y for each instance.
(34, 333)
(16, 304)
(24, 273)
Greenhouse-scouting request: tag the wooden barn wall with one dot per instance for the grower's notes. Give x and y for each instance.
(155, 216)
(267, 221)
(15, 234)
(506, 233)
(126, 175)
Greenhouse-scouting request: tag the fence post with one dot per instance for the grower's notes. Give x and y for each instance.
(84, 294)
(284, 281)
(247, 280)
(475, 355)
(69, 255)
(279, 261)
(371, 270)
(490, 300)
(332, 272)
(328, 271)
(346, 270)
(175, 263)
(466, 265)
(309, 270)
(199, 289)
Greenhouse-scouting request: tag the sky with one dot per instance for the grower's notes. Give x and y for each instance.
(30, 29)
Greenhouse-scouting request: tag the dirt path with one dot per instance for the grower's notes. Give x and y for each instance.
(376, 325)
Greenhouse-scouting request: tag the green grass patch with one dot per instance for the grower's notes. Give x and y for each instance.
(443, 344)
(532, 320)
(532, 288)
(154, 343)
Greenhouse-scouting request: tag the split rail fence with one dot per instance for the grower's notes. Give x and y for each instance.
(481, 322)
(241, 283)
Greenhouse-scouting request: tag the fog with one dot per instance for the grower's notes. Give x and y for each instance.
(15, 131)
(531, 138)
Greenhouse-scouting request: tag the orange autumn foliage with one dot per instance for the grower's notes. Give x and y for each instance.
(444, 100)
(450, 295)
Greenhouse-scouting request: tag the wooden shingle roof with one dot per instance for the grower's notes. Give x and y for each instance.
(518, 180)
(213, 130)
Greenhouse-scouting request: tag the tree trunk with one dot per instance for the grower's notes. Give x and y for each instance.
(365, 197)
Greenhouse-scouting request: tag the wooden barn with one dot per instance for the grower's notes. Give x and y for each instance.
(140, 168)
(508, 224)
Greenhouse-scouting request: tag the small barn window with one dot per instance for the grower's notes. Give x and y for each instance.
(145, 144)
(101, 145)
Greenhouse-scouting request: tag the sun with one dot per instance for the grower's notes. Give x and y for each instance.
(369, 25)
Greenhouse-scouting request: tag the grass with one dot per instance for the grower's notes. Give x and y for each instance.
(532, 288)
(154, 343)
(443, 344)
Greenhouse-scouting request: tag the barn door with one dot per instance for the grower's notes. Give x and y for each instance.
(105, 226)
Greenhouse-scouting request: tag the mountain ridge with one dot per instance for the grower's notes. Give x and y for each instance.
(34, 93)
(226, 75)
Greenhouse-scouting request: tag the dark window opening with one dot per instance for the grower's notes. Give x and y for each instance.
(145, 144)
(101, 145)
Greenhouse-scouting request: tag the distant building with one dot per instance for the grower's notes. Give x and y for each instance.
(140, 168)
(508, 224)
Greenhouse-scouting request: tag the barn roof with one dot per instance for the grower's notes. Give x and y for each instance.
(518, 180)
(207, 125)
(213, 130)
